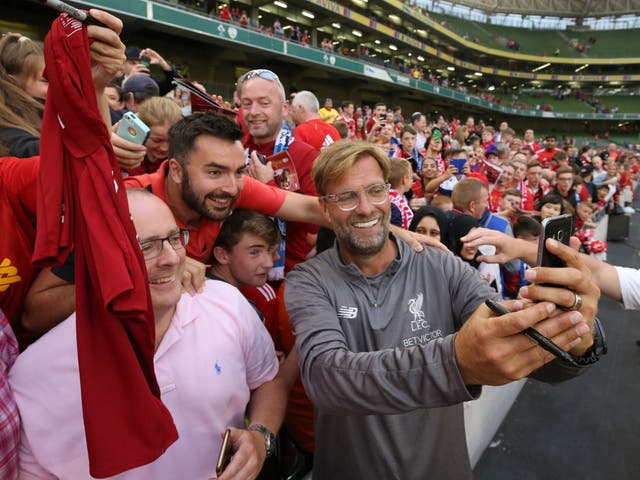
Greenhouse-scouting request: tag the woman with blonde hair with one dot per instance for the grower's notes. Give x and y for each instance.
(22, 93)
(159, 114)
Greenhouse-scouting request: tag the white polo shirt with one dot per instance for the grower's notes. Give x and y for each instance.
(214, 353)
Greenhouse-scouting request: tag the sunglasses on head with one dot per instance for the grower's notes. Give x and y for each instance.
(260, 73)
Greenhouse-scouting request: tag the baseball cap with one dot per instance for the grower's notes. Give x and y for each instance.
(132, 53)
(492, 150)
(140, 84)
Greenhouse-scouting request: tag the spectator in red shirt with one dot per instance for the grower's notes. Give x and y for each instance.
(264, 108)
(379, 113)
(310, 127)
(550, 149)
(243, 255)
(529, 140)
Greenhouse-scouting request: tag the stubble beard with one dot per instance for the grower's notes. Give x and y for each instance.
(200, 205)
(358, 246)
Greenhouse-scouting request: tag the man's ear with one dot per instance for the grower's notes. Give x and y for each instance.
(129, 99)
(324, 207)
(175, 171)
(221, 255)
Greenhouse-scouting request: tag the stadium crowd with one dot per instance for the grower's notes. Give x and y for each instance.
(265, 227)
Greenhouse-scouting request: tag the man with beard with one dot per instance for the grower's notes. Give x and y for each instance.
(391, 342)
(202, 182)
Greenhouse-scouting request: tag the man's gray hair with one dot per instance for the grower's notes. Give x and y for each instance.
(308, 101)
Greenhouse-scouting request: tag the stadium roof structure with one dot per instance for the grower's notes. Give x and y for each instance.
(556, 8)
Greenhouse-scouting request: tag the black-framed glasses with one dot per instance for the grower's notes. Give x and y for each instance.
(348, 200)
(153, 248)
(260, 73)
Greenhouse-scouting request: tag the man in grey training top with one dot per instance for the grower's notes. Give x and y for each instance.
(392, 341)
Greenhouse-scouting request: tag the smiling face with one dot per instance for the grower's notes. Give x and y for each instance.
(507, 175)
(429, 169)
(153, 220)
(250, 260)
(263, 108)
(361, 232)
(211, 180)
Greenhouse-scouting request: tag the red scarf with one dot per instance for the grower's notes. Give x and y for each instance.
(82, 204)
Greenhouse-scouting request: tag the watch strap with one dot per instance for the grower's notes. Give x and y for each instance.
(269, 437)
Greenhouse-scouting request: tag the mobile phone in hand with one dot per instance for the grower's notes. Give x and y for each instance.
(559, 228)
(133, 129)
(224, 457)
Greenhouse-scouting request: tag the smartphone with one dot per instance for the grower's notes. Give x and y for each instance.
(224, 457)
(559, 228)
(146, 61)
(459, 163)
(133, 129)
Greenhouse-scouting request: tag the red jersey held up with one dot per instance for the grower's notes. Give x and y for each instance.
(82, 204)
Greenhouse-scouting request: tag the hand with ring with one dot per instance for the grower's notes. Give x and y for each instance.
(570, 288)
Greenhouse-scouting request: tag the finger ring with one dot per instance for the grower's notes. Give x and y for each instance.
(577, 302)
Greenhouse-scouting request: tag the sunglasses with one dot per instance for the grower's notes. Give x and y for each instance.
(260, 73)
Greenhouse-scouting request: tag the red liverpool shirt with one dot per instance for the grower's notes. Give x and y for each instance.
(82, 204)
(18, 179)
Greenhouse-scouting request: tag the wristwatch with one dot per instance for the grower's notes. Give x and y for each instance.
(269, 437)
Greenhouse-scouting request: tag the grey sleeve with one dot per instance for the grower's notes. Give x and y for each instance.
(388, 381)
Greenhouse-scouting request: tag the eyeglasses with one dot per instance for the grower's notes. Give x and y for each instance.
(348, 200)
(153, 248)
(261, 73)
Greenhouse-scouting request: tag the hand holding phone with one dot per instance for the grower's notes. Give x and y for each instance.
(224, 457)
(559, 228)
(133, 129)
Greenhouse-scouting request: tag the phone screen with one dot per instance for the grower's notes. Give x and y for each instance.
(459, 163)
(559, 228)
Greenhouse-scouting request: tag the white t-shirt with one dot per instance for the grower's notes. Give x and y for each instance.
(630, 287)
(213, 354)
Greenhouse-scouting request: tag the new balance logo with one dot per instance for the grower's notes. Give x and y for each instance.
(348, 313)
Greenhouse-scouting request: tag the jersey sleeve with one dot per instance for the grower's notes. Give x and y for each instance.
(260, 197)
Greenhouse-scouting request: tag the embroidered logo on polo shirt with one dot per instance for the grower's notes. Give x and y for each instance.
(218, 368)
(8, 274)
(348, 313)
